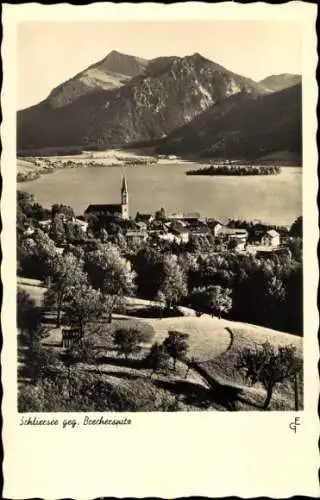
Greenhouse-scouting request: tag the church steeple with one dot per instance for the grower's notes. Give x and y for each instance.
(124, 198)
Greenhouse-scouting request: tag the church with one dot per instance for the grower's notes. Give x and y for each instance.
(116, 210)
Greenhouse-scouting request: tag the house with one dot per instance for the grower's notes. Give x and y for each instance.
(239, 241)
(175, 216)
(271, 238)
(180, 231)
(170, 237)
(142, 226)
(191, 216)
(136, 236)
(45, 224)
(83, 224)
(158, 225)
(200, 230)
(231, 233)
(215, 226)
(236, 237)
(267, 251)
(29, 230)
(146, 218)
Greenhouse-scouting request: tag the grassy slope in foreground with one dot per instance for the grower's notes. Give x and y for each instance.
(214, 344)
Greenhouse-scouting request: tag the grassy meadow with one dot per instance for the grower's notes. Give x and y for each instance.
(213, 348)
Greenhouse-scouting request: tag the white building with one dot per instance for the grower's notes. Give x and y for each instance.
(271, 239)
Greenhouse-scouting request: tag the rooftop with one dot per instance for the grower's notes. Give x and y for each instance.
(112, 209)
(272, 233)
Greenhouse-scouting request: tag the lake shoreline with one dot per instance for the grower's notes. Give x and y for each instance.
(57, 163)
(38, 166)
(272, 199)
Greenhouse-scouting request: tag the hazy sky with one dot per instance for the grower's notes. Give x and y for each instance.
(51, 52)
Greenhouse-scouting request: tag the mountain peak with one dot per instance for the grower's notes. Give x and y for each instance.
(111, 72)
(123, 64)
(196, 57)
(281, 81)
(116, 53)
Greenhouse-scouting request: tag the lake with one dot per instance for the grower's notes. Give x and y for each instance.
(275, 199)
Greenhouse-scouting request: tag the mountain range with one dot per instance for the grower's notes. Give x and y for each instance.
(178, 105)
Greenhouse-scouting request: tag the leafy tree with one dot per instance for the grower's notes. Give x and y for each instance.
(177, 345)
(37, 359)
(276, 293)
(218, 299)
(57, 230)
(36, 255)
(40, 361)
(293, 305)
(295, 247)
(193, 245)
(147, 263)
(67, 273)
(157, 357)
(160, 215)
(296, 228)
(84, 352)
(31, 398)
(84, 305)
(25, 202)
(28, 315)
(110, 273)
(232, 244)
(214, 299)
(128, 340)
(39, 213)
(173, 285)
(76, 250)
(269, 366)
(28, 214)
(103, 235)
(60, 209)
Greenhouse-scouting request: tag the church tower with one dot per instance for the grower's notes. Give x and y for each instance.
(124, 199)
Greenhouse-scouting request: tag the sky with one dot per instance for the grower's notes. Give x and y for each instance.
(50, 52)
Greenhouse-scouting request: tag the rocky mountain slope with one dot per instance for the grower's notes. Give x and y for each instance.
(245, 125)
(182, 104)
(111, 72)
(167, 93)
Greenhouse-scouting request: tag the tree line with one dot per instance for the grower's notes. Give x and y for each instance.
(237, 170)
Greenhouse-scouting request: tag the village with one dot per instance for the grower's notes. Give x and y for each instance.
(177, 228)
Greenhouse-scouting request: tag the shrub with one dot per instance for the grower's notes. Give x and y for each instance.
(127, 341)
(157, 357)
(176, 344)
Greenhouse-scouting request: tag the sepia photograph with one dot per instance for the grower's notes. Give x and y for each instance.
(159, 241)
(159, 216)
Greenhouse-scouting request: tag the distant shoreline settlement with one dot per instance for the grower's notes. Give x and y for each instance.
(31, 167)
